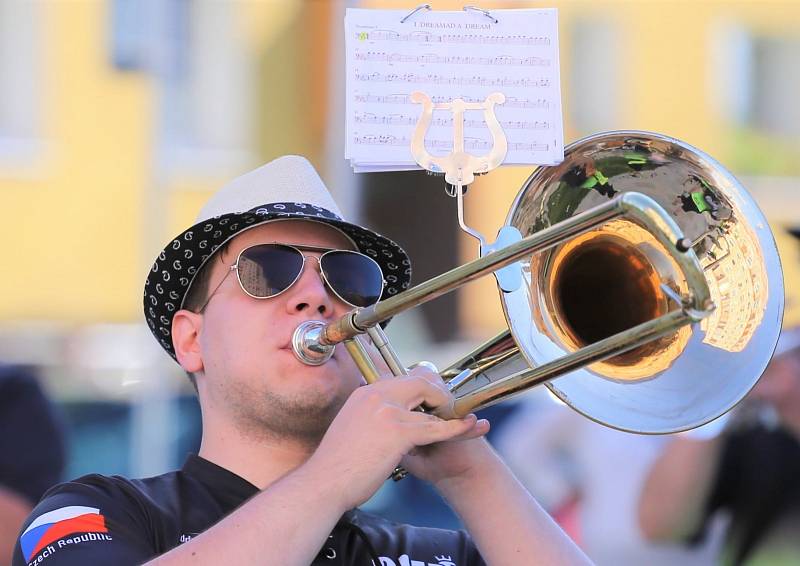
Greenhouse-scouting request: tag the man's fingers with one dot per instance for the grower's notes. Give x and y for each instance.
(414, 390)
(422, 371)
(480, 428)
(427, 429)
(410, 391)
(428, 375)
(477, 428)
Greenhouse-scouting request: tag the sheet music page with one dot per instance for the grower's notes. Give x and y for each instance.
(450, 55)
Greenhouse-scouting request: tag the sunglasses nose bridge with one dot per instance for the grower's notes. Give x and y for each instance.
(306, 258)
(318, 270)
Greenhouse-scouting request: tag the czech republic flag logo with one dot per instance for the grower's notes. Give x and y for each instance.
(57, 524)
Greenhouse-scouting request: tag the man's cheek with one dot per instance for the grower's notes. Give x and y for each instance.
(347, 366)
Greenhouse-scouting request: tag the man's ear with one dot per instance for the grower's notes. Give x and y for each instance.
(186, 328)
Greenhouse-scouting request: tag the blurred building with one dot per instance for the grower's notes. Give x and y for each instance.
(117, 120)
(118, 117)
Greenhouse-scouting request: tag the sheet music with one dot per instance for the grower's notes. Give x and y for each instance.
(451, 55)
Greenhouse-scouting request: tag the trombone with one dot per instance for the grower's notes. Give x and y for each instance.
(643, 289)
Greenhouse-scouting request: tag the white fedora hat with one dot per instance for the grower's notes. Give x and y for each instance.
(287, 187)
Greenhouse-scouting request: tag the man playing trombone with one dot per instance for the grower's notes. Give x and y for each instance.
(289, 451)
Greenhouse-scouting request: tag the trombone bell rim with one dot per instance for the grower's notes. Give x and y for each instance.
(726, 353)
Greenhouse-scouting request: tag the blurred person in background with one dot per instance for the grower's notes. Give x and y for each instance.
(747, 468)
(588, 476)
(31, 451)
(290, 450)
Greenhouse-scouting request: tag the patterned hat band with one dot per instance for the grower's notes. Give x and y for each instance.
(179, 262)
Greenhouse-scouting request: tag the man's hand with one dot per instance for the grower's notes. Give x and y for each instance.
(455, 458)
(378, 426)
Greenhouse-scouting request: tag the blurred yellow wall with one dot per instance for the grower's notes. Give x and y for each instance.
(85, 216)
(72, 219)
(88, 213)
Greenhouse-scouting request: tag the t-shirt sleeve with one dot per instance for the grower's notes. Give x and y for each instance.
(93, 520)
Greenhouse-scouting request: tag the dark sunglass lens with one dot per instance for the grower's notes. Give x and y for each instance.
(354, 277)
(268, 269)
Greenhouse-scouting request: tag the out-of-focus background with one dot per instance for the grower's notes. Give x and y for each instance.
(119, 117)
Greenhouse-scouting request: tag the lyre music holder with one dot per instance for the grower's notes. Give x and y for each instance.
(460, 167)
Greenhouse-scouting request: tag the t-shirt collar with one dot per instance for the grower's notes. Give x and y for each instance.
(218, 478)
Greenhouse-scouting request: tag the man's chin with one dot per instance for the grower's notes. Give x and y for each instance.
(305, 416)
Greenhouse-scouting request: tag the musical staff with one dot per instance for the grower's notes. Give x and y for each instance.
(467, 39)
(436, 79)
(403, 98)
(469, 143)
(434, 59)
(402, 119)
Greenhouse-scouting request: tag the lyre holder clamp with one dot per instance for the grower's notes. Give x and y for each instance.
(459, 167)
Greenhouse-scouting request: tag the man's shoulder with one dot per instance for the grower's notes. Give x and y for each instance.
(123, 499)
(105, 488)
(107, 515)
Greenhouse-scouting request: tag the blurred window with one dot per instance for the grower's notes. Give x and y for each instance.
(208, 82)
(757, 79)
(776, 85)
(204, 75)
(128, 36)
(594, 76)
(20, 78)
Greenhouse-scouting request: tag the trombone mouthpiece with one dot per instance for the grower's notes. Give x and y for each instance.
(307, 344)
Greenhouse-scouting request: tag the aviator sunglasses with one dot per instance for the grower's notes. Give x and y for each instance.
(267, 270)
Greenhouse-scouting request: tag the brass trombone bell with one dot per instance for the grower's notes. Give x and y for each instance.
(652, 293)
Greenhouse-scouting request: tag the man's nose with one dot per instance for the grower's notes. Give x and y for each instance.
(309, 294)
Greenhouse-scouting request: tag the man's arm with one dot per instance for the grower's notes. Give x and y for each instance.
(677, 489)
(506, 523)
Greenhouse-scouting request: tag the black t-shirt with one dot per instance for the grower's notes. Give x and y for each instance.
(31, 443)
(113, 520)
(758, 484)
